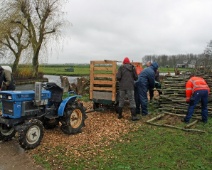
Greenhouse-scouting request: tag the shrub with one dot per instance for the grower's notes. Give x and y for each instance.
(25, 72)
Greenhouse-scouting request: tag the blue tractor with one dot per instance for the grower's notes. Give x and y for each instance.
(27, 113)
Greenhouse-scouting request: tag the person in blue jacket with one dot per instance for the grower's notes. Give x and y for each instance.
(145, 82)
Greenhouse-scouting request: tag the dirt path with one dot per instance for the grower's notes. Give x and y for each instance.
(12, 156)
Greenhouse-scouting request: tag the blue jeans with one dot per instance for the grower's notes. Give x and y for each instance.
(130, 95)
(200, 95)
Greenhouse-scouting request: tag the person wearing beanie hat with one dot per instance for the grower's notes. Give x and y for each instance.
(126, 76)
(145, 82)
(126, 60)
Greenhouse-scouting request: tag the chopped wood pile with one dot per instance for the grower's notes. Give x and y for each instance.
(173, 97)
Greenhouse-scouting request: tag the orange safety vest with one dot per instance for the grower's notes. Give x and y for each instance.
(194, 84)
(138, 69)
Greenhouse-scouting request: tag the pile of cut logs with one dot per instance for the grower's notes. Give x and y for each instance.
(173, 97)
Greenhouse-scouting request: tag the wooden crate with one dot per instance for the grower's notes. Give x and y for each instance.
(103, 80)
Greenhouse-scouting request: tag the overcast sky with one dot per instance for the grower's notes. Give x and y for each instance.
(114, 29)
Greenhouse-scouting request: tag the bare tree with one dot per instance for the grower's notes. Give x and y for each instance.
(14, 41)
(42, 21)
(39, 20)
(208, 49)
(12, 35)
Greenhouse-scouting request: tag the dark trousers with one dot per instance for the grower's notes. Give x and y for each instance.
(130, 95)
(200, 95)
(151, 94)
(137, 101)
(142, 92)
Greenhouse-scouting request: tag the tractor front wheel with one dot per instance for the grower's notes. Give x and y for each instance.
(31, 134)
(73, 120)
(6, 133)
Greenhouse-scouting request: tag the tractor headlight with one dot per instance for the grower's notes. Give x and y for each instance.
(9, 97)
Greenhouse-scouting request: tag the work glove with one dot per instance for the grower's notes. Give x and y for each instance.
(188, 101)
(157, 85)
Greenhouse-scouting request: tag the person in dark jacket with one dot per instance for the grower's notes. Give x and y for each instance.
(145, 82)
(126, 76)
(6, 80)
(157, 79)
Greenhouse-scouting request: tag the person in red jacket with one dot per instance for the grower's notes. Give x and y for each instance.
(197, 90)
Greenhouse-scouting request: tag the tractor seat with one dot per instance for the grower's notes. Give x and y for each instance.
(56, 92)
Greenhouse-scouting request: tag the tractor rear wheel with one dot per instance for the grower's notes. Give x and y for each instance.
(73, 120)
(31, 134)
(6, 133)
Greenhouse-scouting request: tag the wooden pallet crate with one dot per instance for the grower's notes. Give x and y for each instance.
(103, 80)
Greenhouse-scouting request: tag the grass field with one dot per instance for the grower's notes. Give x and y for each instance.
(78, 70)
(82, 70)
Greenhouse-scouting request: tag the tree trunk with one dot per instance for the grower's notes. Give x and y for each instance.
(15, 64)
(35, 62)
(35, 65)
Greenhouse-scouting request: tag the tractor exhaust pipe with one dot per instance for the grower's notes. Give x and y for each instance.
(38, 90)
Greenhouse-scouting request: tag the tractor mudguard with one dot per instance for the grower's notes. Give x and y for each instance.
(63, 104)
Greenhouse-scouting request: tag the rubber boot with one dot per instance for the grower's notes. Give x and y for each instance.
(120, 113)
(134, 115)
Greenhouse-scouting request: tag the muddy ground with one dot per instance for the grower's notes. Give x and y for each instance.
(14, 157)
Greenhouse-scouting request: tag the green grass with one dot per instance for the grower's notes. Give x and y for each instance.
(84, 97)
(82, 70)
(150, 147)
(171, 69)
(155, 148)
(79, 70)
(159, 148)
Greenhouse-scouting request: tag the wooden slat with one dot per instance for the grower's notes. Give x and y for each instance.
(114, 82)
(103, 62)
(91, 79)
(102, 88)
(102, 82)
(103, 75)
(103, 68)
